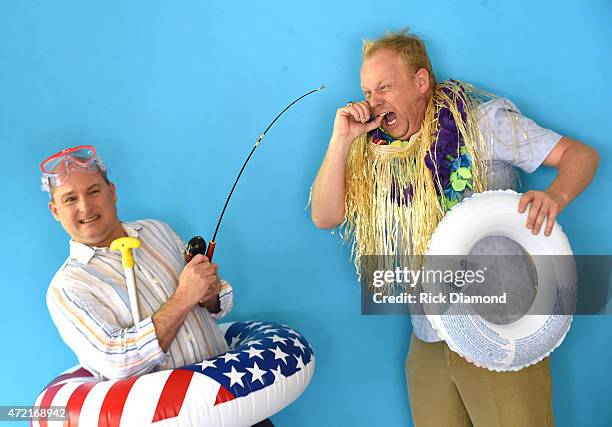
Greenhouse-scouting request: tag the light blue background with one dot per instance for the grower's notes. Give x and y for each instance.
(174, 94)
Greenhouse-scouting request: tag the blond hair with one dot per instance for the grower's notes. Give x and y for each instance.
(408, 47)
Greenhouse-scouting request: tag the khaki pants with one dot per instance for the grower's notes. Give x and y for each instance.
(446, 390)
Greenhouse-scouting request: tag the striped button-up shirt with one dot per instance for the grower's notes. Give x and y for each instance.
(89, 304)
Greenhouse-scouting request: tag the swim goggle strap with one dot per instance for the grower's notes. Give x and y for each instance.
(56, 169)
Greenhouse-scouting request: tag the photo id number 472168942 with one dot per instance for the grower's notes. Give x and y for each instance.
(33, 413)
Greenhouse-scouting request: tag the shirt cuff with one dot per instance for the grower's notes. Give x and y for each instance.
(148, 344)
(226, 300)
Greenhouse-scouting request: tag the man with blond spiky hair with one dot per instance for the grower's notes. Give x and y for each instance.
(403, 157)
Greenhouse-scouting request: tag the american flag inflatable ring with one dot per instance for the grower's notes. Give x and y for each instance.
(267, 367)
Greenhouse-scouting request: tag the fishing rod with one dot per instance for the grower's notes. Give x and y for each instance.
(197, 245)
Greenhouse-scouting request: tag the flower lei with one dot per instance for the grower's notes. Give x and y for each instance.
(448, 158)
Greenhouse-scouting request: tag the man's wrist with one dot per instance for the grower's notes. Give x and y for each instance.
(341, 144)
(179, 300)
(560, 197)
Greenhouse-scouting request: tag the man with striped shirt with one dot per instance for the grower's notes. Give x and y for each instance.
(88, 298)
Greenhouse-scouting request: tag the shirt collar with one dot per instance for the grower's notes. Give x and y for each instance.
(83, 253)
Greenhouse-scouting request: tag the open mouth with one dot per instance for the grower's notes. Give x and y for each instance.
(390, 119)
(90, 219)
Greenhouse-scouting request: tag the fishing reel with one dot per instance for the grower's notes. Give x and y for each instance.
(197, 245)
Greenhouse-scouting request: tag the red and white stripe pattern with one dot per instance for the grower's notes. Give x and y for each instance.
(179, 397)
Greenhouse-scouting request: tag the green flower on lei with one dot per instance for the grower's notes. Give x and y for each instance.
(460, 179)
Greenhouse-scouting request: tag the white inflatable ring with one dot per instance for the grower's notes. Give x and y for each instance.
(532, 337)
(267, 367)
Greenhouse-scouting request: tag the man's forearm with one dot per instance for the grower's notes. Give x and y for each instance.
(576, 164)
(169, 319)
(328, 191)
(576, 169)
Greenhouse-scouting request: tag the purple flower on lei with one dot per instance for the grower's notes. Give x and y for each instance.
(446, 148)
